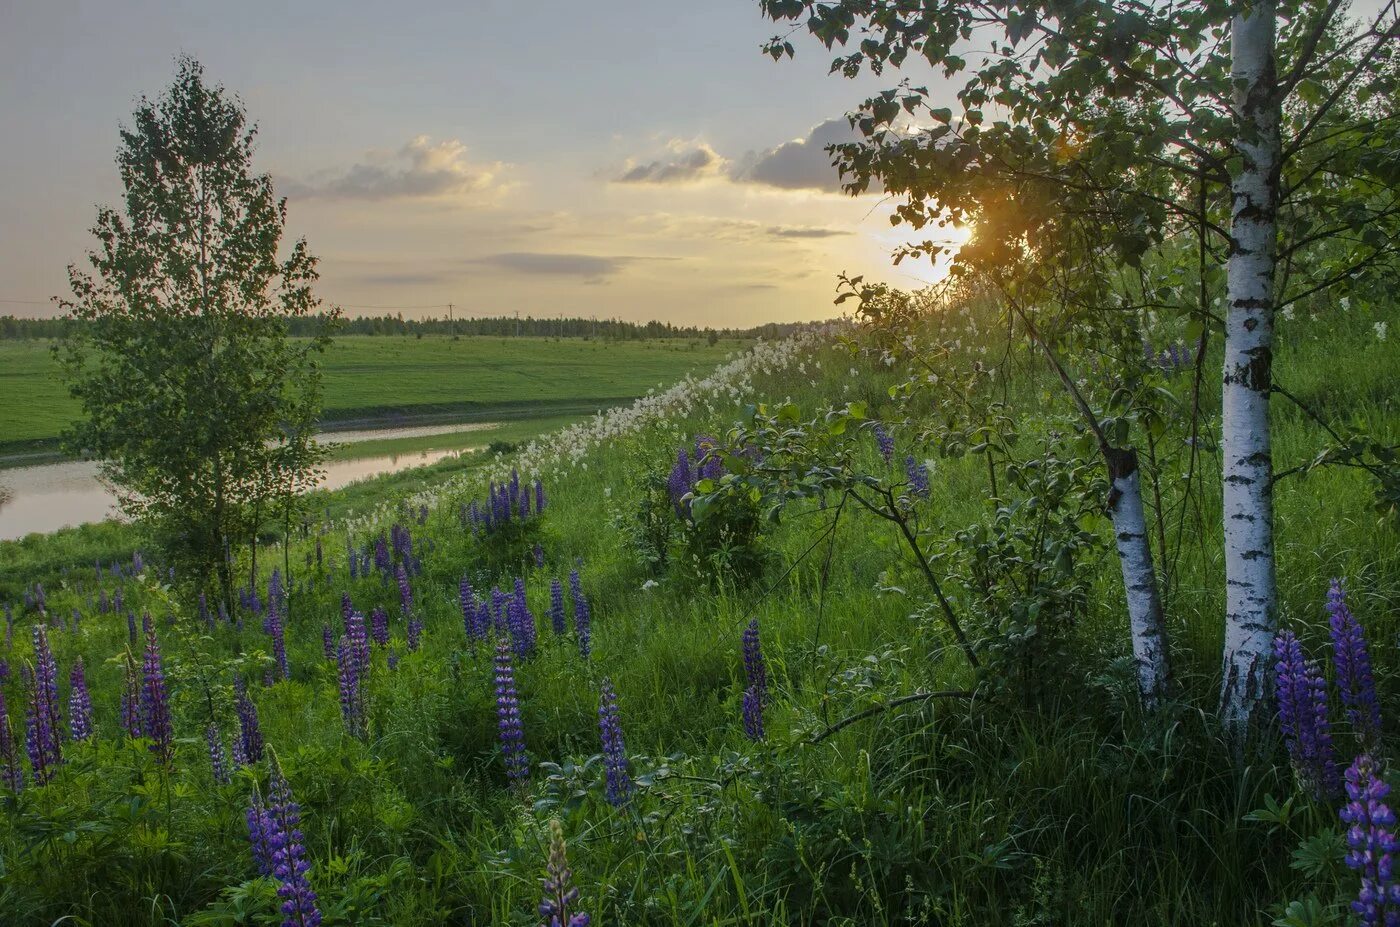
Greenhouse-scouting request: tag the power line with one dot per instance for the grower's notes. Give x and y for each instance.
(26, 302)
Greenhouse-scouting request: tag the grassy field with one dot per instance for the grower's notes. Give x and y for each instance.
(1071, 807)
(383, 380)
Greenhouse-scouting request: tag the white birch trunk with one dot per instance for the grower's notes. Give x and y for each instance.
(1145, 619)
(1250, 599)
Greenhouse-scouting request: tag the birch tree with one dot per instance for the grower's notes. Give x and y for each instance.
(1170, 104)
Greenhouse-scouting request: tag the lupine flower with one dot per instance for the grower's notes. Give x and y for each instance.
(383, 561)
(557, 905)
(289, 865)
(582, 616)
(917, 472)
(1371, 843)
(556, 607)
(351, 697)
(259, 833)
(248, 748)
(327, 642)
(885, 443)
(393, 659)
(521, 620)
(539, 497)
(753, 714)
(679, 482)
(379, 626)
(415, 630)
(466, 596)
(131, 700)
(218, 764)
(79, 703)
(131, 628)
(508, 719)
(539, 555)
(278, 630)
(405, 592)
(707, 460)
(619, 783)
(755, 669)
(42, 736)
(1302, 712)
(1353, 662)
(499, 617)
(358, 638)
(11, 771)
(155, 706)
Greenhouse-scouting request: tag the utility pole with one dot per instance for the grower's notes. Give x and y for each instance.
(451, 326)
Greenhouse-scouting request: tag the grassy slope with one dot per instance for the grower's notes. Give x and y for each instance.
(379, 379)
(1076, 813)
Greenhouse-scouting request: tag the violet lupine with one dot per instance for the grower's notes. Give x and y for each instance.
(583, 618)
(358, 637)
(512, 733)
(753, 714)
(1353, 661)
(131, 699)
(327, 642)
(539, 497)
(393, 659)
(11, 770)
(259, 831)
(379, 626)
(1302, 713)
(556, 607)
(539, 555)
(708, 464)
(755, 668)
(415, 631)
(885, 443)
(1371, 843)
(248, 747)
(483, 620)
(278, 631)
(559, 895)
(131, 628)
(79, 703)
(44, 720)
(218, 762)
(289, 863)
(351, 698)
(466, 597)
(619, 783)
(347, 608)
(917, 471)
(522, 620)
(405, 591)
(679, 482)
(155, 704)
(498, 611)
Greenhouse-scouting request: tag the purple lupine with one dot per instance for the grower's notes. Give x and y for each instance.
(483, 620)
(278, 631)
(218, 762)
(466, 597)
(327, 642)
(539, 555)
(498, 610)
(347, 608)
(539, 498)
(1353, 662)
(131, 699)
(1302, 713)
(582, 616)
(755, 668)
(131, 628)
(358, 637)
(42, 735)
(354, 559)
(679, 482)
(405, 591)
(415, 631)
(155, 705)
(393, 659)
(753, 714)
(917, 471)
(709, 466)
(619, 783)
(885, 443)
(259, 831)
(383, 560)
(1371, 843)
(559, 895)
(379, 626)
(248, 747)
(11, 770)
(522, 620)
(511, 731)
(79, 703)
(351, 697)
(556, 607)
(289, 864)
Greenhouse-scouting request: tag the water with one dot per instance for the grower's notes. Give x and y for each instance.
(46, 497)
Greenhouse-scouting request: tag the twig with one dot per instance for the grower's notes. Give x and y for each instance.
(878, 709)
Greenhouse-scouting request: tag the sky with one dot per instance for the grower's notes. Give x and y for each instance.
(636, 159)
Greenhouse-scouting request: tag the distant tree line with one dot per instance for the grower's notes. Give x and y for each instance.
(14, 328)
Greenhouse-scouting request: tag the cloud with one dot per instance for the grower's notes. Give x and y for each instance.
(801, 164)
(687, 162)
(421, 169)
(804, 231)
(590, 267)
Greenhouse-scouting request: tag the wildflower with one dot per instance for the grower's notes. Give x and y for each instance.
(539, 498)
(556, 607)
(467, 597)
(753, 714)
(583, 620)
(1380, 329)
(274, 626)
(508, 719)
(1302, 712)
(79, 703)
(680, 482)
(415, 631)
(1371, 843)
(539, 555)
(218, 764)
(556, 907)
(131, 628)
(42, 737)
(521, 620)
(393, 659)
(155, 706)
(619, 783)
(755, 668)
(358, 640)
(351, 696)
(259, 834)
(405, 592)
(327, 642)
(288, 855)
(1353, 662)
(248, 748)
(379, 626)
(131, 699)
(11, 772)
(885, 443)
(918, 476)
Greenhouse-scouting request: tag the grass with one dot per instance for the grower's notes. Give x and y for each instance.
(1074, 808)
(387, 380)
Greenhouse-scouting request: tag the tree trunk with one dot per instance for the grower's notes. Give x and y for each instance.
(1250, 598)
(1149, 629)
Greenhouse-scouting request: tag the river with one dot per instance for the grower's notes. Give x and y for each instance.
(46, 497)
